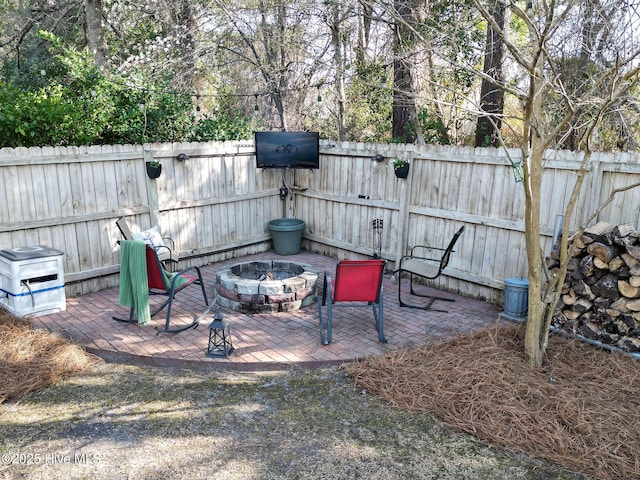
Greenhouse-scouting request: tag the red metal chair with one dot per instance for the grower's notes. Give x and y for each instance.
(355, 281)
(162, 282)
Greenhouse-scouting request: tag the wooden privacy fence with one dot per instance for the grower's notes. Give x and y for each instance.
(215, 204)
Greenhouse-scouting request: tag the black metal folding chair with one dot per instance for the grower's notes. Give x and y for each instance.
(425, 265)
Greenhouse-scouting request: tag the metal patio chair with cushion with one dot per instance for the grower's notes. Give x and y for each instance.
(164, 246)
(142, 275)
(358, 283)
(423, 262)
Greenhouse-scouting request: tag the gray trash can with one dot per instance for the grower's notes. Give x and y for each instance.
(286, 234)
(516, 298)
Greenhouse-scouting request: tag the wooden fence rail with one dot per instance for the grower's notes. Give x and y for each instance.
(216, 204)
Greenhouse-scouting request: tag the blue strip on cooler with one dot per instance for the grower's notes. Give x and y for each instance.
(28, 294)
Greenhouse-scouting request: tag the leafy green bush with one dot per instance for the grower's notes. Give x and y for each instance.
(79, 105)
(222, 127)
(433, 130)
(48, 116)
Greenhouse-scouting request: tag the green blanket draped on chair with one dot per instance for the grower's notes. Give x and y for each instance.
(169, 276)
(134, 286)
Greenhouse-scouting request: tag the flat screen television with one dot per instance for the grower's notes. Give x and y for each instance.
(287, 149)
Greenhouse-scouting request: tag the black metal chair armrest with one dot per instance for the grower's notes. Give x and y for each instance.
(171, 242)
(426, 247)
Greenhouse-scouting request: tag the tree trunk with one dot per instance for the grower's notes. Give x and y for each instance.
(535, 332)
(274, 70)
(535, 337)
(95, 37)
(491, 91)
(282, 78)
(403, 102)
(190, 79)
(338, 58)
(364, 32)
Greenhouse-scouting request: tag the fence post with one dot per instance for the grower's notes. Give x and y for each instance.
(403, 213)
(557, 230)
(152, 192)
(595, 171)
(289, 202)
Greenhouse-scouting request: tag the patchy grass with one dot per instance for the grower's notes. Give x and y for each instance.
(115, 421)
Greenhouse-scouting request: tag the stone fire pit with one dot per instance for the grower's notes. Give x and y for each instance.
(267, 286)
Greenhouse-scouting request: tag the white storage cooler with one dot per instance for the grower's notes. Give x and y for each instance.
(32, 281)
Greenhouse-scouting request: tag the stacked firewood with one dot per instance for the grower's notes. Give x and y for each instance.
(600, 298)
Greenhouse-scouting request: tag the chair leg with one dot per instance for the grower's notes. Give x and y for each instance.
(325, 327)
(167, 322)
(378, 315)
(325, 337)
(201, 282)
(329, 337)
(131, 318)
(431, 298)
(169, 302)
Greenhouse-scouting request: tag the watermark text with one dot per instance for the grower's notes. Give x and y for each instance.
(80, 458)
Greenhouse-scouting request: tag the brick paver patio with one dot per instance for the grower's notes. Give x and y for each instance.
(261, 341)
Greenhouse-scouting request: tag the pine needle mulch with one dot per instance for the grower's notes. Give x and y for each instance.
(581, 410)
(31, 359)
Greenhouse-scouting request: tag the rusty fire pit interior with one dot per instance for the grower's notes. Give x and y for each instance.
(267, 286)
